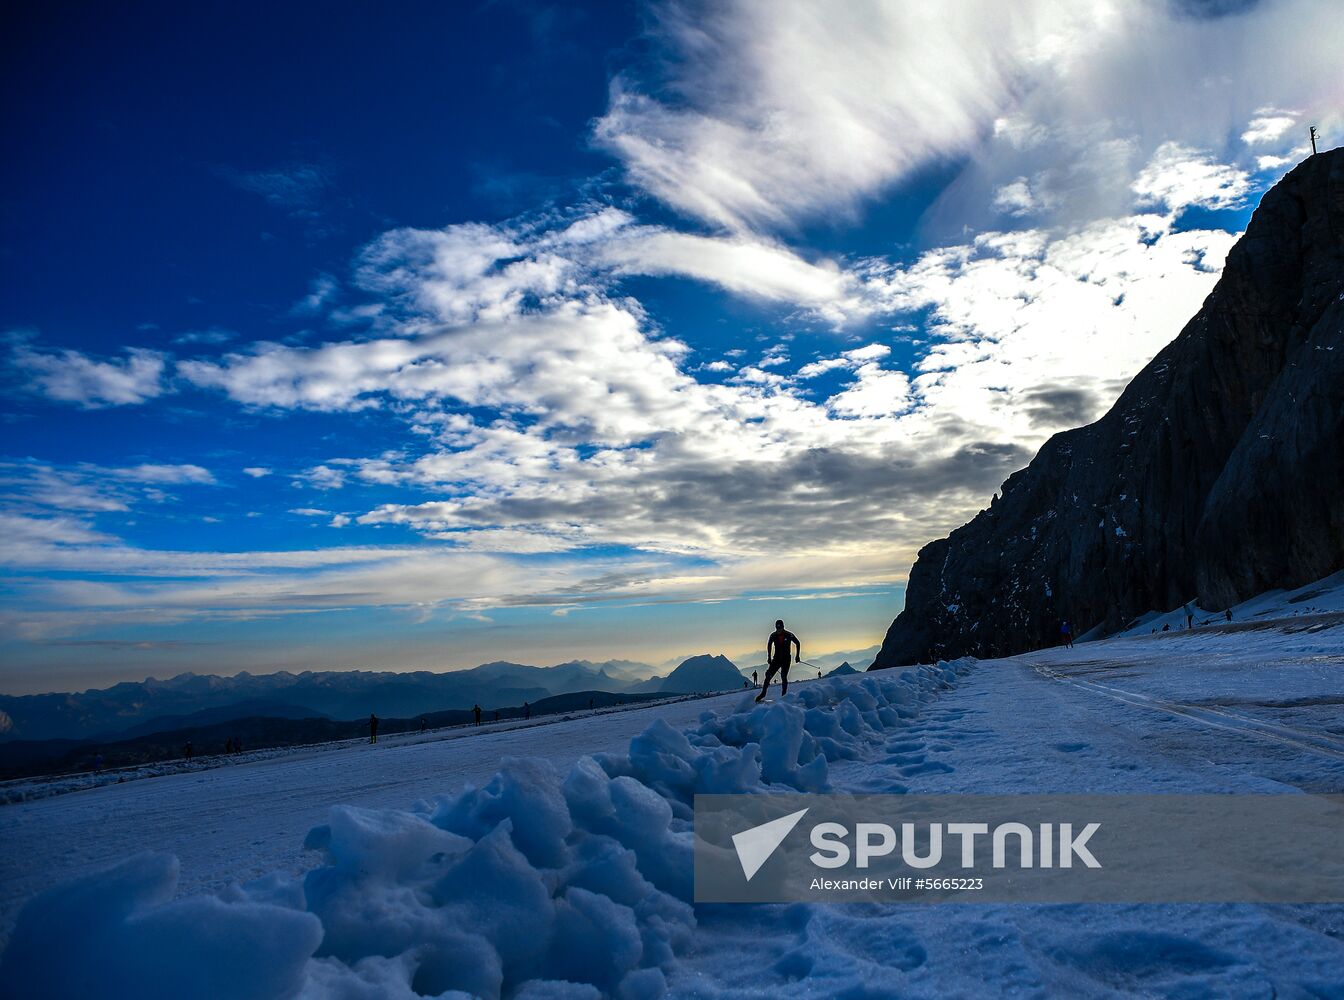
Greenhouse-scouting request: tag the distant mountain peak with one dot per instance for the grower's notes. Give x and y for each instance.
(705, 672)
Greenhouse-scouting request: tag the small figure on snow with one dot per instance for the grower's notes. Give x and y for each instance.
(1066, 634)
(1189, 616)
(527, 710)
(1229, 614)
(777, 654)
(476, 711)
(423, 724)
(373, 728)
(187, 750)
(754, 679)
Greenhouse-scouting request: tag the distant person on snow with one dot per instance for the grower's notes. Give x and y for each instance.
(1066, 634)
(186, 750)
(476, 711)
(527, 710)
(1229, 614)
(1189, 617)
(373, 728)
(777, 653)
(423, 724)
(754, 679)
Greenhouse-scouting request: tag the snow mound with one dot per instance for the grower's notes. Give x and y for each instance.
(535, 884)
(121, 933)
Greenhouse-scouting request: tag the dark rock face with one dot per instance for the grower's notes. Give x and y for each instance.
(1218, 474)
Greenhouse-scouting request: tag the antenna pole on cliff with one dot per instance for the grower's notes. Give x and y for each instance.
(1313, 140)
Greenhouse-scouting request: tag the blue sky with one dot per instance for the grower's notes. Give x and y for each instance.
(347, 338)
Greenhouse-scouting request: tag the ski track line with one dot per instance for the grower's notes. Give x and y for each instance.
(1311, 742)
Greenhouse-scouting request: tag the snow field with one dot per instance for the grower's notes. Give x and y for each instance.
(531, 885)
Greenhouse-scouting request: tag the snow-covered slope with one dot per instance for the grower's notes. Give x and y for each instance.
(1322, 597)
(572, 862)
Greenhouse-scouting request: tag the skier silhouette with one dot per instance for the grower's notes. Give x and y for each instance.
(1066, 634)
(777, 653)
(1189, 617)
(476, 711)
(754, 679)
(527, 710)
(373, 728)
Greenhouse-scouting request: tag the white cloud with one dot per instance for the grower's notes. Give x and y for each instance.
(257, 471)
(1014, 198)
(50, 530)
(849, 359)
(322, 477)
(89, 488)
(875, 393)
(214, 335)
(786, 111)
(1268, 126)
(73, 377)
(321, 291)
(789, 109)
(1179, 177)
(164, 474)
(750, 267)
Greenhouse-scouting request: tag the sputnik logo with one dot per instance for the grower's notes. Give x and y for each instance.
(755, 846)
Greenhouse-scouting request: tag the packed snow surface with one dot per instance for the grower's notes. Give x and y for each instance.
(565, 871)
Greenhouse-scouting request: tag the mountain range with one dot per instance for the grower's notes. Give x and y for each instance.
(135, 709)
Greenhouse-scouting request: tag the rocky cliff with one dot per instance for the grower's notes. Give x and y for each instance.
(1218, 474)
